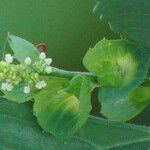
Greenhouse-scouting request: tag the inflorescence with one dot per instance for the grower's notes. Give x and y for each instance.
(27, 72)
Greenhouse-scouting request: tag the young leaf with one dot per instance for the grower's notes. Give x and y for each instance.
(63, 111)
(129, 18)
(22, 48)
(19, 130)
(117, 63)
(125, 103)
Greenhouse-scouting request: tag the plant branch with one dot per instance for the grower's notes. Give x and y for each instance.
(69, 74)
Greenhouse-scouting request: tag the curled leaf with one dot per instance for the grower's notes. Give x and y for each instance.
(62, 109)
(122, 104)
(116, 63)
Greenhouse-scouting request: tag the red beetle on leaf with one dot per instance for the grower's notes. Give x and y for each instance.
(41, 47)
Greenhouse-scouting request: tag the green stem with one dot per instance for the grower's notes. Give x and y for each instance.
(69, 74)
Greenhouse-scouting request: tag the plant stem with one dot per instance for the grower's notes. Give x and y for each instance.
(69, 74)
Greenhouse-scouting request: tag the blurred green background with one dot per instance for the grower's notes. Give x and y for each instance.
(67, 27)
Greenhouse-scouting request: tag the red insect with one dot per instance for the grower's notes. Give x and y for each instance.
(41, 47)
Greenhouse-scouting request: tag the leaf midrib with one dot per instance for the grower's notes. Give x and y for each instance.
(128, 143)
(98, 147)
(115, 145)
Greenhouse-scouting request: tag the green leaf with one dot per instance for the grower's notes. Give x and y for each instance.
(148, 74)
(75, 85)
(124, 103)
(117, 63)
(19, 130)
(129, 18)
(140, 94)
(62, 111)
(22, 48)
(17, 94)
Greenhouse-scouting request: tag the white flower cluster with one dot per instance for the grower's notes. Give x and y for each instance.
(7, 86)
(46, 62)
(40, 84)
(31, 76)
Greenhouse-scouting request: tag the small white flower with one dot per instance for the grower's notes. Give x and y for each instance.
(48, 69)
(42, 56)
(43, 83)
(3, 86)
(40, 84)
(9, 58)
(48, 61)
(28, 61)
(26, 89)
(7, 86)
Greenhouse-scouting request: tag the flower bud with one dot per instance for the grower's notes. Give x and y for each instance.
(17, 80)
(13, 68)
(2, 77)
(37, 66)
(3, 64)
(35, 76)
